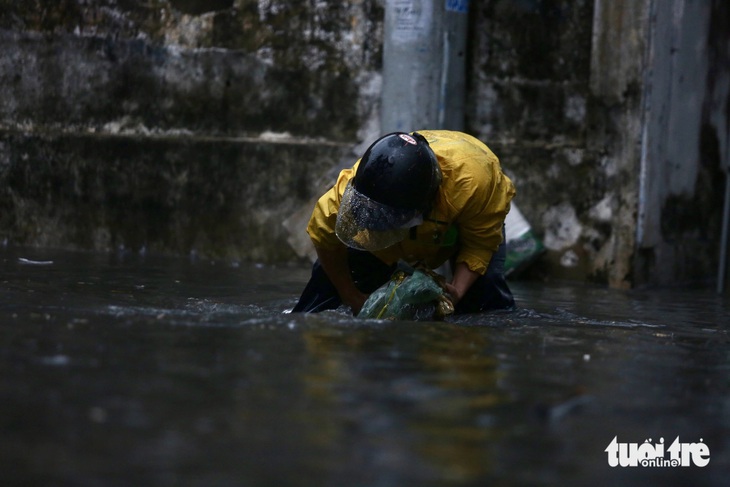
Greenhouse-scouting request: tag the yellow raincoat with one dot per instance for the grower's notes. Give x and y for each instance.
(467, 216)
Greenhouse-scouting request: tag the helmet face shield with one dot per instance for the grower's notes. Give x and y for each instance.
(365, 224)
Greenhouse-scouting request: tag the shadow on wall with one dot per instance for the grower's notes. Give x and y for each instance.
(197, 7)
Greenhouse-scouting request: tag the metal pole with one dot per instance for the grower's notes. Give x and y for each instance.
(722, 268)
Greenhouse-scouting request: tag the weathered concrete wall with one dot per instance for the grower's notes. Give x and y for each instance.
(138, 65)
(612, 118)
(202, 125)
(217, 198)
(685, 142)
(177, 125)
(620, 36)
(530, 96)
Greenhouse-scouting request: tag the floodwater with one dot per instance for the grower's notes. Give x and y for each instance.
(128, 370)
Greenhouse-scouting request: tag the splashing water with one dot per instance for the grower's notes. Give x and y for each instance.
(130, 370)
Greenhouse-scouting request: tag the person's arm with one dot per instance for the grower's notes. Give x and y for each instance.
(484, 200)
(462, 281)
(335, 265)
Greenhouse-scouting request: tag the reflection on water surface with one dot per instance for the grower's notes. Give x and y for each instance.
(122, 370)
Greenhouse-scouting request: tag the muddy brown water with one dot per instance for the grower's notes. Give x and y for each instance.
(128, 370)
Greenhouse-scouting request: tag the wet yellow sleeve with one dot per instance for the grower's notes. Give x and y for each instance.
(476, 192)
(321, 227)
(486, 201)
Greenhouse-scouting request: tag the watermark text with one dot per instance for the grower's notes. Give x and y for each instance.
(650, 454)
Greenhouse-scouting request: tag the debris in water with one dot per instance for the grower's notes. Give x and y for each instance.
(556, 411)
(24, 261)
(56, 360)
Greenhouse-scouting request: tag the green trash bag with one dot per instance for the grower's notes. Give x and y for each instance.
(415, 296)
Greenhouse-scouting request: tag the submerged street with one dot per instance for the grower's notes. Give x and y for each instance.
(129, 370)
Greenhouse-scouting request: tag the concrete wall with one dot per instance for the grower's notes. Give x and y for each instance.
(176, 126)
(203, 125)
(530, 101)
(612, 118)
(685, 141)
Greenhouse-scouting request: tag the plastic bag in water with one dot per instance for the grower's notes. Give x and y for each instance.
(415, 296)
(523, 247)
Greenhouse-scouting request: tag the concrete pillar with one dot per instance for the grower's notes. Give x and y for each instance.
(684, 138)
(424, 56)
(620, 30)
(675, 89)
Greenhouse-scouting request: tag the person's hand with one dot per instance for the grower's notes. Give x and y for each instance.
(453, 292)
(462, 281)
(335, 264)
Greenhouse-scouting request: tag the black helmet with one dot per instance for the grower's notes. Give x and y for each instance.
(399, 170)
(395, 184)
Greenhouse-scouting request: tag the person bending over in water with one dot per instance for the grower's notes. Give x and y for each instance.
(424, 197)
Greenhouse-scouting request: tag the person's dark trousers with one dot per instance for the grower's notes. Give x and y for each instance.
(368, 272)
(489, 292)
